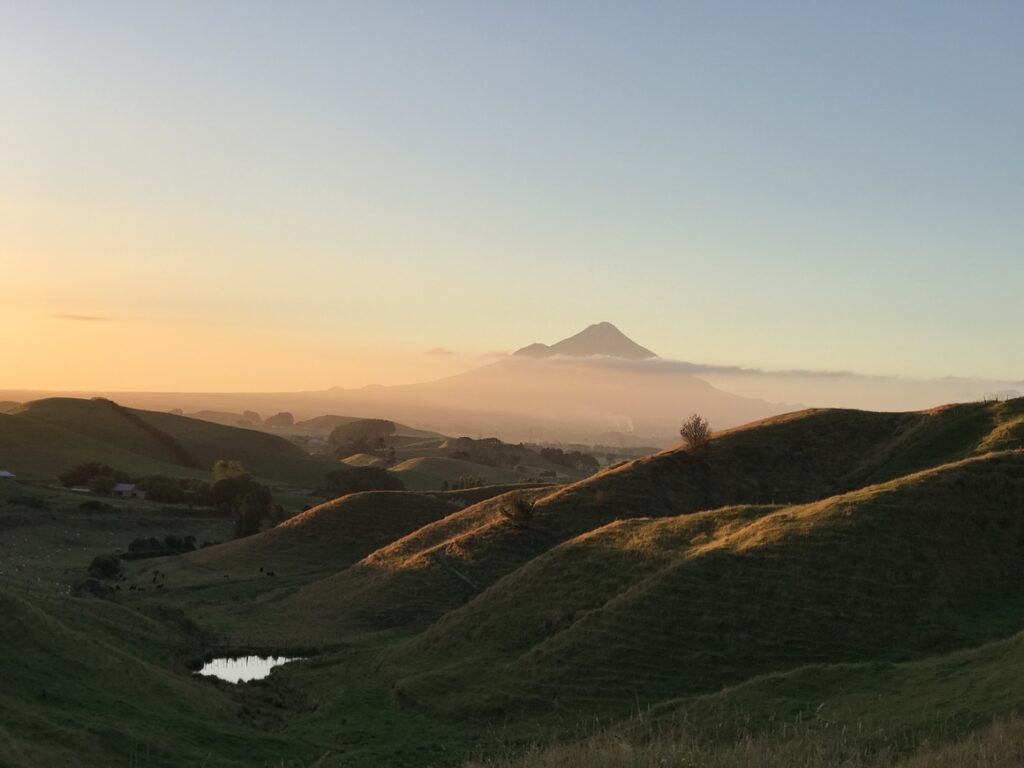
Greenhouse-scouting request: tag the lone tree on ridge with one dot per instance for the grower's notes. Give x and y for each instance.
(696, 432)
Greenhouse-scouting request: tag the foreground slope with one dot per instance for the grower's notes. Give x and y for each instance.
(653, 608)
(797, 458)
(83, 686)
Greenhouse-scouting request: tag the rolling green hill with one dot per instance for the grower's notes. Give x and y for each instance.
(797, 458)
(324, 539)
(88, 683)
(921, 564)
(45, 437)
(429, 473)
(824, 588)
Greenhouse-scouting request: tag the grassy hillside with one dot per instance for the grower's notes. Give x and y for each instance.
(44, 437)
(324, 539)
(914, 566)
(956, 710)
(824, 588)
(84, 684)
(326, 424)
(429, 473)
(797, 458)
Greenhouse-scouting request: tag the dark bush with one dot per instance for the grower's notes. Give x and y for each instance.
(168, 490)
(84, 474)
(105, 566)
(517, 511)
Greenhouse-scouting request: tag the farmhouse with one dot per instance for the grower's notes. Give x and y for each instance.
(128, 491)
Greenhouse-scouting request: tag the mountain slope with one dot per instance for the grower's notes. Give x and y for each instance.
(598, 339)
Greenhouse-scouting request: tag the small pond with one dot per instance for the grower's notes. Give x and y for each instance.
(242, 669)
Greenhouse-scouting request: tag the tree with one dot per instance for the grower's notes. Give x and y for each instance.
(166, 489)
(249, 516)
(225, 469)
(84, 474)
(105, 566)
(361, 436)
(251, 417)
(283, 419)
(102, 484)
(696, 433)
(517, 511)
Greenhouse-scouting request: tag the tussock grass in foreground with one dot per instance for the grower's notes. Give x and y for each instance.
(1000, 745)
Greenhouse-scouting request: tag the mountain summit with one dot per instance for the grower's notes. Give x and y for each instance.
(598, 339)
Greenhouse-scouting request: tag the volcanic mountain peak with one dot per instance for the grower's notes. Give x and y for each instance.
(598, 339)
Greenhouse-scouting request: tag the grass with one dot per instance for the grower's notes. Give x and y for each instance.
(826, 588)
(45, 437)
(890, 572)
(999, 745)
(427, 473)
(793, 459)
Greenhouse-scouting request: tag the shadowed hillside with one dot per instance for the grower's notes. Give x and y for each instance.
(327, 538)
(45, 437)
(956, 710)
(84, 683)
(429, 472)
(797, 458)
(913, 566)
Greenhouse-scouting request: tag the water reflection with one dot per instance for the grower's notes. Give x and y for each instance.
(244, 669)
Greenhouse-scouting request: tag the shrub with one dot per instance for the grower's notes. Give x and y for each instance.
(226, 469)
(85, 474)
(696, 432)
(517, 511)
(105, 566)
(165, 489)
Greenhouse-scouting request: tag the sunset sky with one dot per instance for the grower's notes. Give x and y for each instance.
(271, 196)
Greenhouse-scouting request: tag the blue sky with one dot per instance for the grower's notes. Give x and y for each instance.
(784, 185)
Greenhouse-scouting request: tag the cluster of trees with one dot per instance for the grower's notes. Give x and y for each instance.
(340, 482)
(234, 492)
(237, 494)
(578, 460)
(97, 477)
(464, 483)
(362, 436)
(490, 452)
(154, 547)
(283, 419)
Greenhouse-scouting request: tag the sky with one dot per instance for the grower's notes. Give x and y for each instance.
(255, 196)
